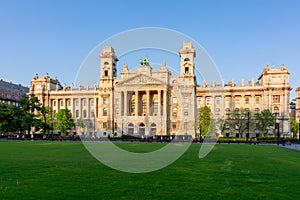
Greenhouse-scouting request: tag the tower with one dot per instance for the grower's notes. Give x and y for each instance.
(187, 55)
(108, 63)
(108, 73)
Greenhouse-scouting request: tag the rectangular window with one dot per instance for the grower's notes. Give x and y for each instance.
(186, 111)
(84, 102)
(186, 99)
(185, 125)
(174, 113)
(92, 102)
(276, 98)
(54, 103)
(247, 100)
(173, 125)
(174, 100)
(117, 101)
(104, 111)
(256, 100)
(69, 103)
(104, 125)
(77, 113)
(104, 100)
(208, 100)
(227, 101)
(237, 100)
(218, 100)
(61, 102)
(76, 103)
(117, 111)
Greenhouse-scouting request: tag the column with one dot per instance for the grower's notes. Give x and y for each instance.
(125, 104)
(137, 103)
(243, 101)
(148, 102)
(165, 103)
(252, 102)
(270, 103)
(159, 102)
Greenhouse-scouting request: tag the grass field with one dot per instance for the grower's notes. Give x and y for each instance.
(65, 170)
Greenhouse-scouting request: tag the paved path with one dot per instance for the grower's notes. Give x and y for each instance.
(292, 146)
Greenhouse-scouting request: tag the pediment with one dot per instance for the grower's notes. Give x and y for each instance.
(140, 79)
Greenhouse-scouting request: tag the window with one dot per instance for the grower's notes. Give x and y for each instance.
(174, 113)
(153, 129)
(93, 113)
(84, 113)
(199, 100)
(54, 103)
(77, 113)
(84, 102)
(237, 100)
(130, 129)
(117, 111)
(61, 103)
(68, 102)
(155, 105)
(173, 125)
(256, 100)
(106, 73)
(276, 110)
(186, 99)
(227, 100)
(76, 103)
(104, 111)
(256, 110)
(208, 100)
(276, 98)
(186, 69)
(218, 100)
(186, 111)
(106, 63)
(92, 102)
(105, 125)
(133, 105)
(247, 100)
(185, 125)
(104, 100)
(144, 106)
(117, 101)
(227, 110)
(174, 100)
(186, 59)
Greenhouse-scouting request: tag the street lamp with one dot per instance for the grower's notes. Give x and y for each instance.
(277, 128)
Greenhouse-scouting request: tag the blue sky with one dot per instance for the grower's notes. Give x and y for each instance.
(241, 36)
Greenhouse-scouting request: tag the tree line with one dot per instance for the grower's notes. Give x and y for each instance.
(30, 116)
(239, 121)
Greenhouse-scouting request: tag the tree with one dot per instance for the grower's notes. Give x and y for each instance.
(64, 120)
(265, 121)
(203, 121)
(46, 118)
(25, 116)
(239, 120)
(293, 125)
(6, 118)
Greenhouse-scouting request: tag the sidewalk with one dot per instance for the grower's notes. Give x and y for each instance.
(292, 146)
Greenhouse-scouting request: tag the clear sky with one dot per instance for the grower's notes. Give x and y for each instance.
(241, 36)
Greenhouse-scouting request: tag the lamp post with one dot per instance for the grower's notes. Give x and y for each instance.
(277, 128)
(248, 124)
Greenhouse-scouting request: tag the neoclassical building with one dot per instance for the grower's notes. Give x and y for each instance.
(154, 102)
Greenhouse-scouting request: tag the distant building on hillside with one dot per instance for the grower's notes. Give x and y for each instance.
(10, 92)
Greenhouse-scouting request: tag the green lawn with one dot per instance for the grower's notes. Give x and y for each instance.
(65, 170)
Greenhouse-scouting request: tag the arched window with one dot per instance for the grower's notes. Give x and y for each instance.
(130, 129)
(153, 129)
(186, 59)
(106, 63)
(256, 110)
(142, 129)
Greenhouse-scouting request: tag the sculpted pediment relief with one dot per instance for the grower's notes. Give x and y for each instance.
(140, 79)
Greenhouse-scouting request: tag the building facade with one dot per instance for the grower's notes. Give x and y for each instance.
(10, 92)
(154, 102)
